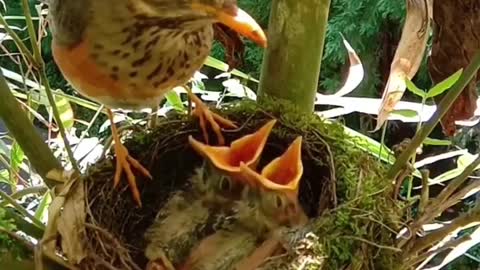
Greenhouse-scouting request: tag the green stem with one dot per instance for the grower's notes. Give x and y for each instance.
(292, 61)
(382, 140)
(21, 46)
(32, 34)
(23, 225)
(18, 124)
(44, 80)
(21, 210)
(442, 108)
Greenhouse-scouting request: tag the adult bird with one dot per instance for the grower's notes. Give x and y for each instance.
(128, 53)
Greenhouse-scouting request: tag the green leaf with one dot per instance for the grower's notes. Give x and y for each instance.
(414, 89)
(174, 100)
(4, 177)
(65, 110)
(16, 159)
(464, 160)
(4, 148)
(430, 141)
(448, 175)
(406, 113)
(217, 64)
(445, 84)
(371, 146)
(43, 206)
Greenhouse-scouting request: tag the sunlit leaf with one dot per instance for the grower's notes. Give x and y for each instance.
(66, 112)
(444, 85)
(448, 175)
(174, 100)
(4, 150)
(5, 176)
(406, 113)
(414, 89)
(355, 71)
(458, 250)
(371, 146)
(465, 160)
(16, 159)
(43, 206)
(236, 89)
(435, 158)
(430, 141)
(217, 64)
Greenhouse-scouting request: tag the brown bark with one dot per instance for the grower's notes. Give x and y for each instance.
(456, 38)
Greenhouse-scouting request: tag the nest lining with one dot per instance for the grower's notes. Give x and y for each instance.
(342, 188)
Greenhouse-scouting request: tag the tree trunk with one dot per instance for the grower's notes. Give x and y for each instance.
(456, 39)
(291, 65)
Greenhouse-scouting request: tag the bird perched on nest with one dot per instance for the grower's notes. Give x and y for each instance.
(128, 53)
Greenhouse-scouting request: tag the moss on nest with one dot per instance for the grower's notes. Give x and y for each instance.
(342, 188)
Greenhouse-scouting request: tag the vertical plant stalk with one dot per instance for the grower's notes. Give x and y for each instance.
(442, 108)
(291, 66)
(18, 124)
(45, 83)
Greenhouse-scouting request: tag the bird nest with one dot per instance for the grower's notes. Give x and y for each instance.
(342, 190)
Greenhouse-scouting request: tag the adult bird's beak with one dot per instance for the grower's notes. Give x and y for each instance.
(236, 19)
(246, 150)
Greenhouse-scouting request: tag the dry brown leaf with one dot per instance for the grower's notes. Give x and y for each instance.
(66, 216)
(71, 224)
(408, 55)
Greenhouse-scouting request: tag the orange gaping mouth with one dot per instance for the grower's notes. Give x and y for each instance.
(283, 173)
(246, 150)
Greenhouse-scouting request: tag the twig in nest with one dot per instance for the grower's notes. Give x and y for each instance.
(115, 250)
(333, 179)
(372, 243)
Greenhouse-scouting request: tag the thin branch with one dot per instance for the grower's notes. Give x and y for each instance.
(22, 210)
(44, 80)
(467, 220)
(21, 46)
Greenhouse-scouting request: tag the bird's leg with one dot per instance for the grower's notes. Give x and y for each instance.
(205, 115)
(125, 163)
(152, 123)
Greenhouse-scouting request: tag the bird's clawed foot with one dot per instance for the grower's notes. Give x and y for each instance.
(125, 163)
(205, 115)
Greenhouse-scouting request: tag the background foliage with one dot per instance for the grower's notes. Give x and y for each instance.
(372, 27)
